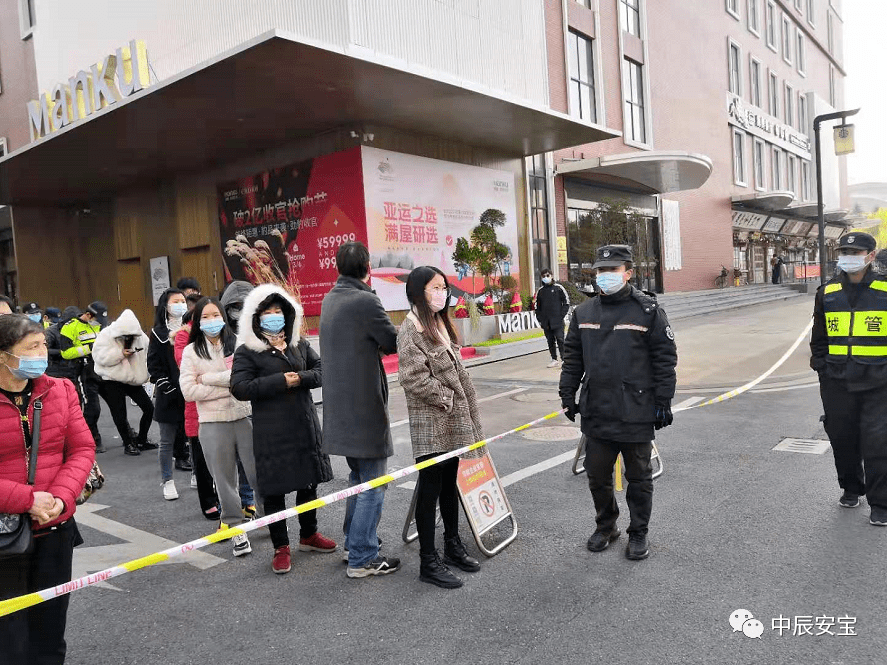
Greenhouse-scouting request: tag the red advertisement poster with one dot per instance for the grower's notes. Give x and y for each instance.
(284, 226)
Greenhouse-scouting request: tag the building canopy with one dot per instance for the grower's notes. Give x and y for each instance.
(267, 92)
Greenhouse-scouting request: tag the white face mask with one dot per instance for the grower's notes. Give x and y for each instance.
(546, 279)
(610, 282)
(852, 262)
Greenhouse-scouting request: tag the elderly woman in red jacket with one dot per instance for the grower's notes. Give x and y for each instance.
(64, 458)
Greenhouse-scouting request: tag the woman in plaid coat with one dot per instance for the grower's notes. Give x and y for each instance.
(443, 414)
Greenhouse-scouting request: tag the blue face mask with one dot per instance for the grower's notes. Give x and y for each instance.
(29, 367)
(546, 279)
(212, 327)
(178, 309)
(36, 318)
(851, 262)
(610, 282)
(272, 323)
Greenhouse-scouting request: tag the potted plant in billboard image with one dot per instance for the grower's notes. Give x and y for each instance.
(483, 254)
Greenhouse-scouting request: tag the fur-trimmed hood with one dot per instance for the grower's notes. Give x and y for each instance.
(248, 331)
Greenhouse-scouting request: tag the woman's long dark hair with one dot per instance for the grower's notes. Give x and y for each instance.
(416, 283)
(198, 337)
(161, 316)
(14, 328)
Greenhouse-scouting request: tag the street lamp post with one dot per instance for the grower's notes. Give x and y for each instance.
(817, 121)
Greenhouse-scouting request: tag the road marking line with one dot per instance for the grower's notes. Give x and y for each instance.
(523, 474)
(688, 402)
(398, 423)
(779, 390)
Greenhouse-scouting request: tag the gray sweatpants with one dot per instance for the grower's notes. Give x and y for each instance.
(221, 442)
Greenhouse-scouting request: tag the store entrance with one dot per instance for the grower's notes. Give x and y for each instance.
(614, 224)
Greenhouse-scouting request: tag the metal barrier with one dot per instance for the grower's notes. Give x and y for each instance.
(579, 459)
(483, 500)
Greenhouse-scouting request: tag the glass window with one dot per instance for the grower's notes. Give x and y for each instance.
(798, 6)
(633, 92)
(811, 7)
(776, 169)
(805, 180)
(735, 74)
(770, 18)
(801, 55)
(789, 105)
(773, 94)
(754, 16)
(755, 81)
(787, 46)
(2, 147)
(832, 93)
(739, 158)
(759, 165)
(791, 174)
(830, 29)
(733, 8)
(539, 212)
(585, 3)
(630, 11)
(802, 113)
(582, 100)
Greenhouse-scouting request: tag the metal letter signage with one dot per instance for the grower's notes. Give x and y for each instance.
(764, 126)
(106, 83)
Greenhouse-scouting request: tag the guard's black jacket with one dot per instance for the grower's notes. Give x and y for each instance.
(621, 350)
(552, 305)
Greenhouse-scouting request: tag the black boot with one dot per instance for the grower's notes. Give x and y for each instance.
(455, 554)
(433, 571)
(130, 448)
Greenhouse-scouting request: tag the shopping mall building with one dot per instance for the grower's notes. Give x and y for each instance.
(239, 139)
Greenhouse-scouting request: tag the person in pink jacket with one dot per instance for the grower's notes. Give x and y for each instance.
(65, 455)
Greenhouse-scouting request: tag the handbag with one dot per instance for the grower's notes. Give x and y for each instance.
(94, 482)
(16, 536)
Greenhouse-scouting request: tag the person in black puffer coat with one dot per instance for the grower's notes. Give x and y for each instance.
(275, 369)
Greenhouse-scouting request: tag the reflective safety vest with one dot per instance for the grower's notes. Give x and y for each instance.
(78, 338)
(858, 332)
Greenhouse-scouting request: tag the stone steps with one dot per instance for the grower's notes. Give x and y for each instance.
(694, 303)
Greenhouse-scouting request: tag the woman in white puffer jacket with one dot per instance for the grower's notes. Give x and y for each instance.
(120, 353)
(225, 426)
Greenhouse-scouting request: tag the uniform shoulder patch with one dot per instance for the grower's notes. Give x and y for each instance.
(669, 333)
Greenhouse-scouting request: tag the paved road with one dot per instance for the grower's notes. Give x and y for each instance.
(735, 525)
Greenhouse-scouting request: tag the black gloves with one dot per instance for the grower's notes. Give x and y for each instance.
(664, 418)
(571, 409)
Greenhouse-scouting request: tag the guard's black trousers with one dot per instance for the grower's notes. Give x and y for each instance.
(856, 424)
(600, 458)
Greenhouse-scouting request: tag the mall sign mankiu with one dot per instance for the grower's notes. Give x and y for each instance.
(122, 74)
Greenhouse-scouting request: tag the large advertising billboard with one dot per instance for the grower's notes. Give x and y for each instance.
(417, 207)
(284, 225)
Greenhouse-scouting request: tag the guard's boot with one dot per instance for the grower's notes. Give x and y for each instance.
(455, 554)
(433, 571)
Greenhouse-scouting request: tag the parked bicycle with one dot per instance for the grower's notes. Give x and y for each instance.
(722, 280)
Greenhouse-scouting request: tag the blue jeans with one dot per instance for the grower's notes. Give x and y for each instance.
(363, 512)
(247, 495)
(168, 434)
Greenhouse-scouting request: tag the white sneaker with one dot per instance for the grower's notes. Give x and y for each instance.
(169, 490)
(193, 482)
(241, 545)
(553, 363)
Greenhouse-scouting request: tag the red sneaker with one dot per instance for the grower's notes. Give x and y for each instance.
(317, 543)
(281, 563)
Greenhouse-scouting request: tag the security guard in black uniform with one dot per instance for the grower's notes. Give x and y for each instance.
(621, 350)
(849, 351)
